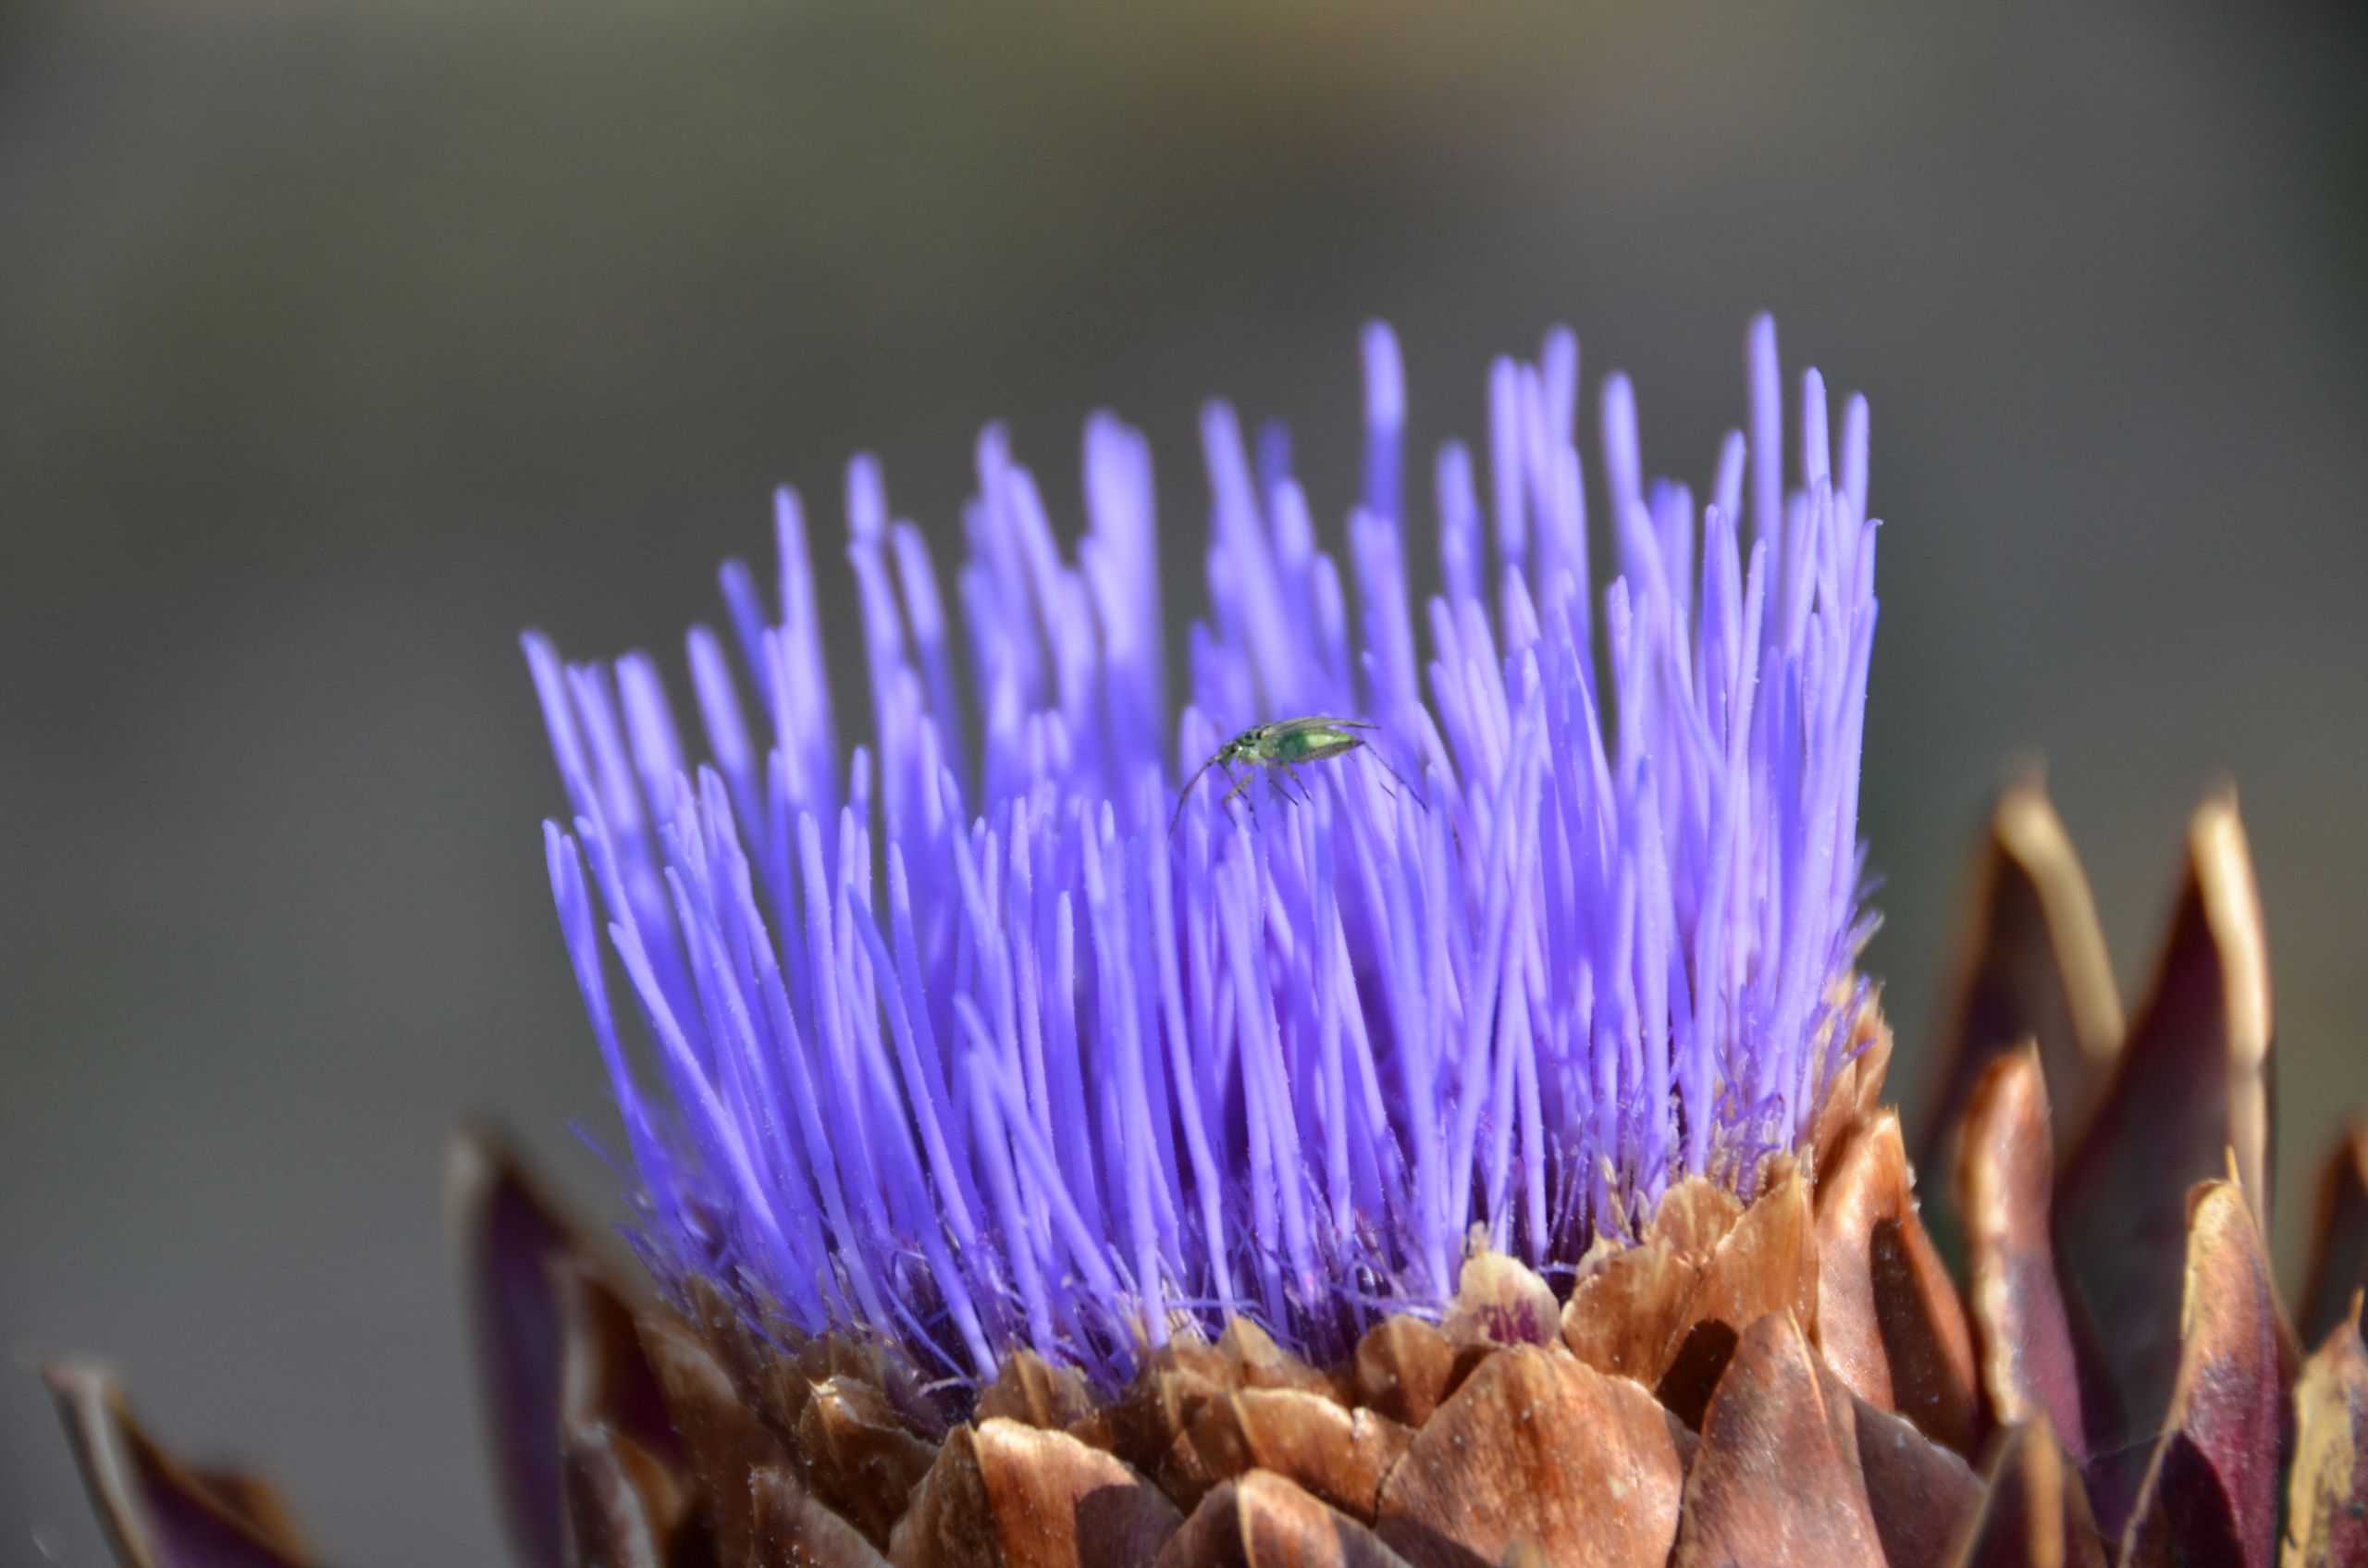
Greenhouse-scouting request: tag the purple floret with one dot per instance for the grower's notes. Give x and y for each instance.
(953, 1039)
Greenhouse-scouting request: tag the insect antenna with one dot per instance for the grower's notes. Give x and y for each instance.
(1185, 793)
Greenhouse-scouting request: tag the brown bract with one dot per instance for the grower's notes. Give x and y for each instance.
(2189, 1089)
(1796, 1380)
(159, 1513)
(1262, 1521)
(1668, 1313)
(625, 1506)
(1538, 1446)
(2031, 968)
(2341, 1262)
(2036, 1513)
(2211, 1494)
(1887, 1316)
(1002, 1495)
(2327, 1505)
(1777, 1479)
(2030, 1369)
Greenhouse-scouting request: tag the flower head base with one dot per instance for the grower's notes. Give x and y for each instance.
(958, 1042)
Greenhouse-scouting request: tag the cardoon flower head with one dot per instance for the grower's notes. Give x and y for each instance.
(952, 1038)
(970, 1101)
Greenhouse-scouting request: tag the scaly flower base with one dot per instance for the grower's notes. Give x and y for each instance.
(1797, 1381)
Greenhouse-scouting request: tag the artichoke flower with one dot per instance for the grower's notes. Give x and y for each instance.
(1461, 1143)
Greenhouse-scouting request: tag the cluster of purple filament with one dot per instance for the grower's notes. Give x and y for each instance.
(954, 1040)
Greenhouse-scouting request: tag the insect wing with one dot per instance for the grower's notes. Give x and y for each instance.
(1312, 740)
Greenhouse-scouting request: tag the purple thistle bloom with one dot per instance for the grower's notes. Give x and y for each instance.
(958, 1042)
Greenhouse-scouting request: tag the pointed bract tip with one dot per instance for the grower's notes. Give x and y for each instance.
(158, 1513)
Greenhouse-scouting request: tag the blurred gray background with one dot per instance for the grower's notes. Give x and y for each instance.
(337, 343)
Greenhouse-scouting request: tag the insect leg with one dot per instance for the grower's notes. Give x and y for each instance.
(1393, 772)
(1241, 788)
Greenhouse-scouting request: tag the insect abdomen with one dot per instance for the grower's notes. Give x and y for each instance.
(1313, 745)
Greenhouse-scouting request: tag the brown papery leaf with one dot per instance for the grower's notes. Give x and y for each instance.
(1401, 1369)
(2326, 1498)
(2005, 1180)
(605, 1378)
(1255, 1361)
(1156, 1408)
(624, 1505)
(795, 1531)
(2032, 966)
(2339, 1239)
(2036, 1514)
(1921, 1495)
(1888, 1317)
(1776, 1481)
(514, 1246)
(257, 1504)
(2192, 1085)
(158, 1513)
(1262, 1521)
(1537, 1446)
(2211, 1492)
(1002, 1495)
(860, 1459)
(1694, 1217)
(1623, 1315)
(1765, 1263)
(723, 1438)
(1031, 1390)
(780, 1378)
(1856, 1092)
(1337, 1455)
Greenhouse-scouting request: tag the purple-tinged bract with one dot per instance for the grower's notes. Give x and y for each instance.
(953, 1041)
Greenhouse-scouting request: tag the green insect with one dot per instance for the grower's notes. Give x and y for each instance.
(1281, 745)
